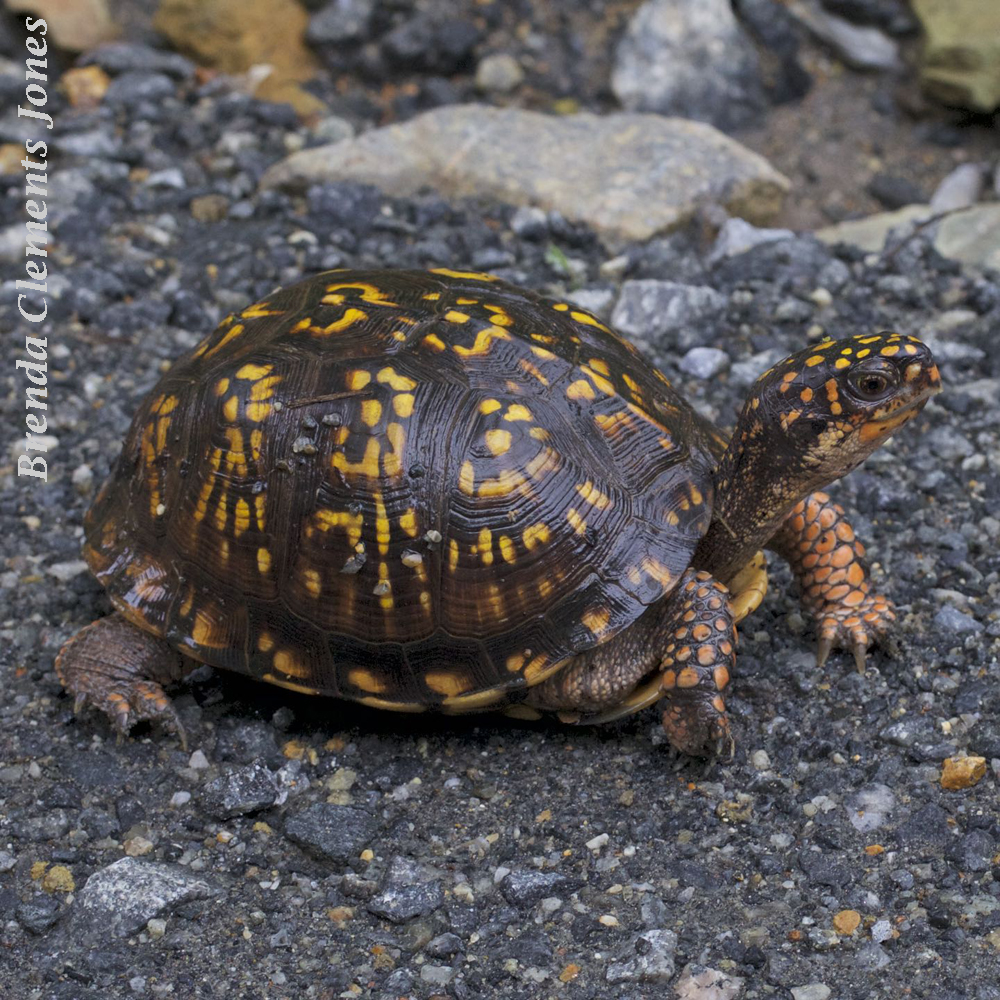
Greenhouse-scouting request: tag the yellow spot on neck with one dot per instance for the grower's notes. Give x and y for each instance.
(816, 359)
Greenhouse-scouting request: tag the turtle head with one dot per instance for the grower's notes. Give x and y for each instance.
(808, 421)
(821, 412)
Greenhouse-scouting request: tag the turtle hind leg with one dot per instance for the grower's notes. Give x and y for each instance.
(691, 637)
(697, 664)
(829, 563)
(119, 669)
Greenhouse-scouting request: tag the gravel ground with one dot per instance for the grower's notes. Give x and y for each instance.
(311, 849)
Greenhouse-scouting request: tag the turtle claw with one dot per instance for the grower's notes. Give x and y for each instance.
(860, 650)
(823, 651)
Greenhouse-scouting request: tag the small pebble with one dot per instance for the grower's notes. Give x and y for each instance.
(198, 761)
(963, 772)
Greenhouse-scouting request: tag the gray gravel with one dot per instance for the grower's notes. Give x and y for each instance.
(311, 849)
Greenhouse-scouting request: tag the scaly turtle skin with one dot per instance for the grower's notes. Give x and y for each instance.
(433, 490)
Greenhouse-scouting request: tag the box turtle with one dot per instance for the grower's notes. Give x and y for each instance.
(436, 491)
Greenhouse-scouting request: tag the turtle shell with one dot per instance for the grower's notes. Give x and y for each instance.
(412, 489)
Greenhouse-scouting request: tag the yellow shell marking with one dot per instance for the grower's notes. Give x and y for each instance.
(205, 631)
(816, 359)
(657, 571)
(371, 411)
(842, 363)
(264, 389)
(382, 526)
(252, 372)
(231, 409)
(221, 386)
(592, 495)
(474, 275)
(508, 481)
(231, 334)
(484, 339)
(395, 381)
(499, 317)
(368, 466)
(220, 514)
(433, 341)
(312, 581)
(489, 406)
(596, 619)
(533, 371)
(467, 479)
(288, 663)
(358, 379)
(265, 642)
(256, 436)
(547, 460)
(452, 554)
(890, 352)
(485, 546)
(257, 310)
(537, 534)
(507, 549)
(447, 683)
(456, 316)
(517, 411)
(581, 389)
(602, 383)
(578, 523)
(365, 680)
(259, 503)
(342, 519)
(369, 293)
(498, 441)
(241, 520)
(588, 320)
(408, 522)
(403, 404)
(263, 560)
(392, 461)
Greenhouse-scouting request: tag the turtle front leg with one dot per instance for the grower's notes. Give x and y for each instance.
(828, 562)
(120, 669)
(697, 664)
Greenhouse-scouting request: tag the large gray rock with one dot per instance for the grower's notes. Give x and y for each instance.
(122, 898)
(666, 312)
(646, 958)
(628, 176)
(689, 58)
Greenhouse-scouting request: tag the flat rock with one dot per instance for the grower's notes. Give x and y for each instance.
(869, 233)
(689, 58)
(336, 833)
(698, 982)
(647, 957)
(408, 890)
(626, 175)
(245, 790)
(961, 55)
(119, 900)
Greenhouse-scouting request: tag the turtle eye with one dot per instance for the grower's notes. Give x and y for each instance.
(870, 385)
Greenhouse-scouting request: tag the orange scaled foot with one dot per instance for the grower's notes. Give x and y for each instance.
(119, 669)
(696, 666)
(829, 564)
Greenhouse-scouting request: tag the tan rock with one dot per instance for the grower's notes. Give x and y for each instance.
(870, 232)
(846, 922)
(11, 154)
(75, 25)
(85, 87)
(626, 175)
(961, 58)
(235, 35)
(58, 879)
(963, 772)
